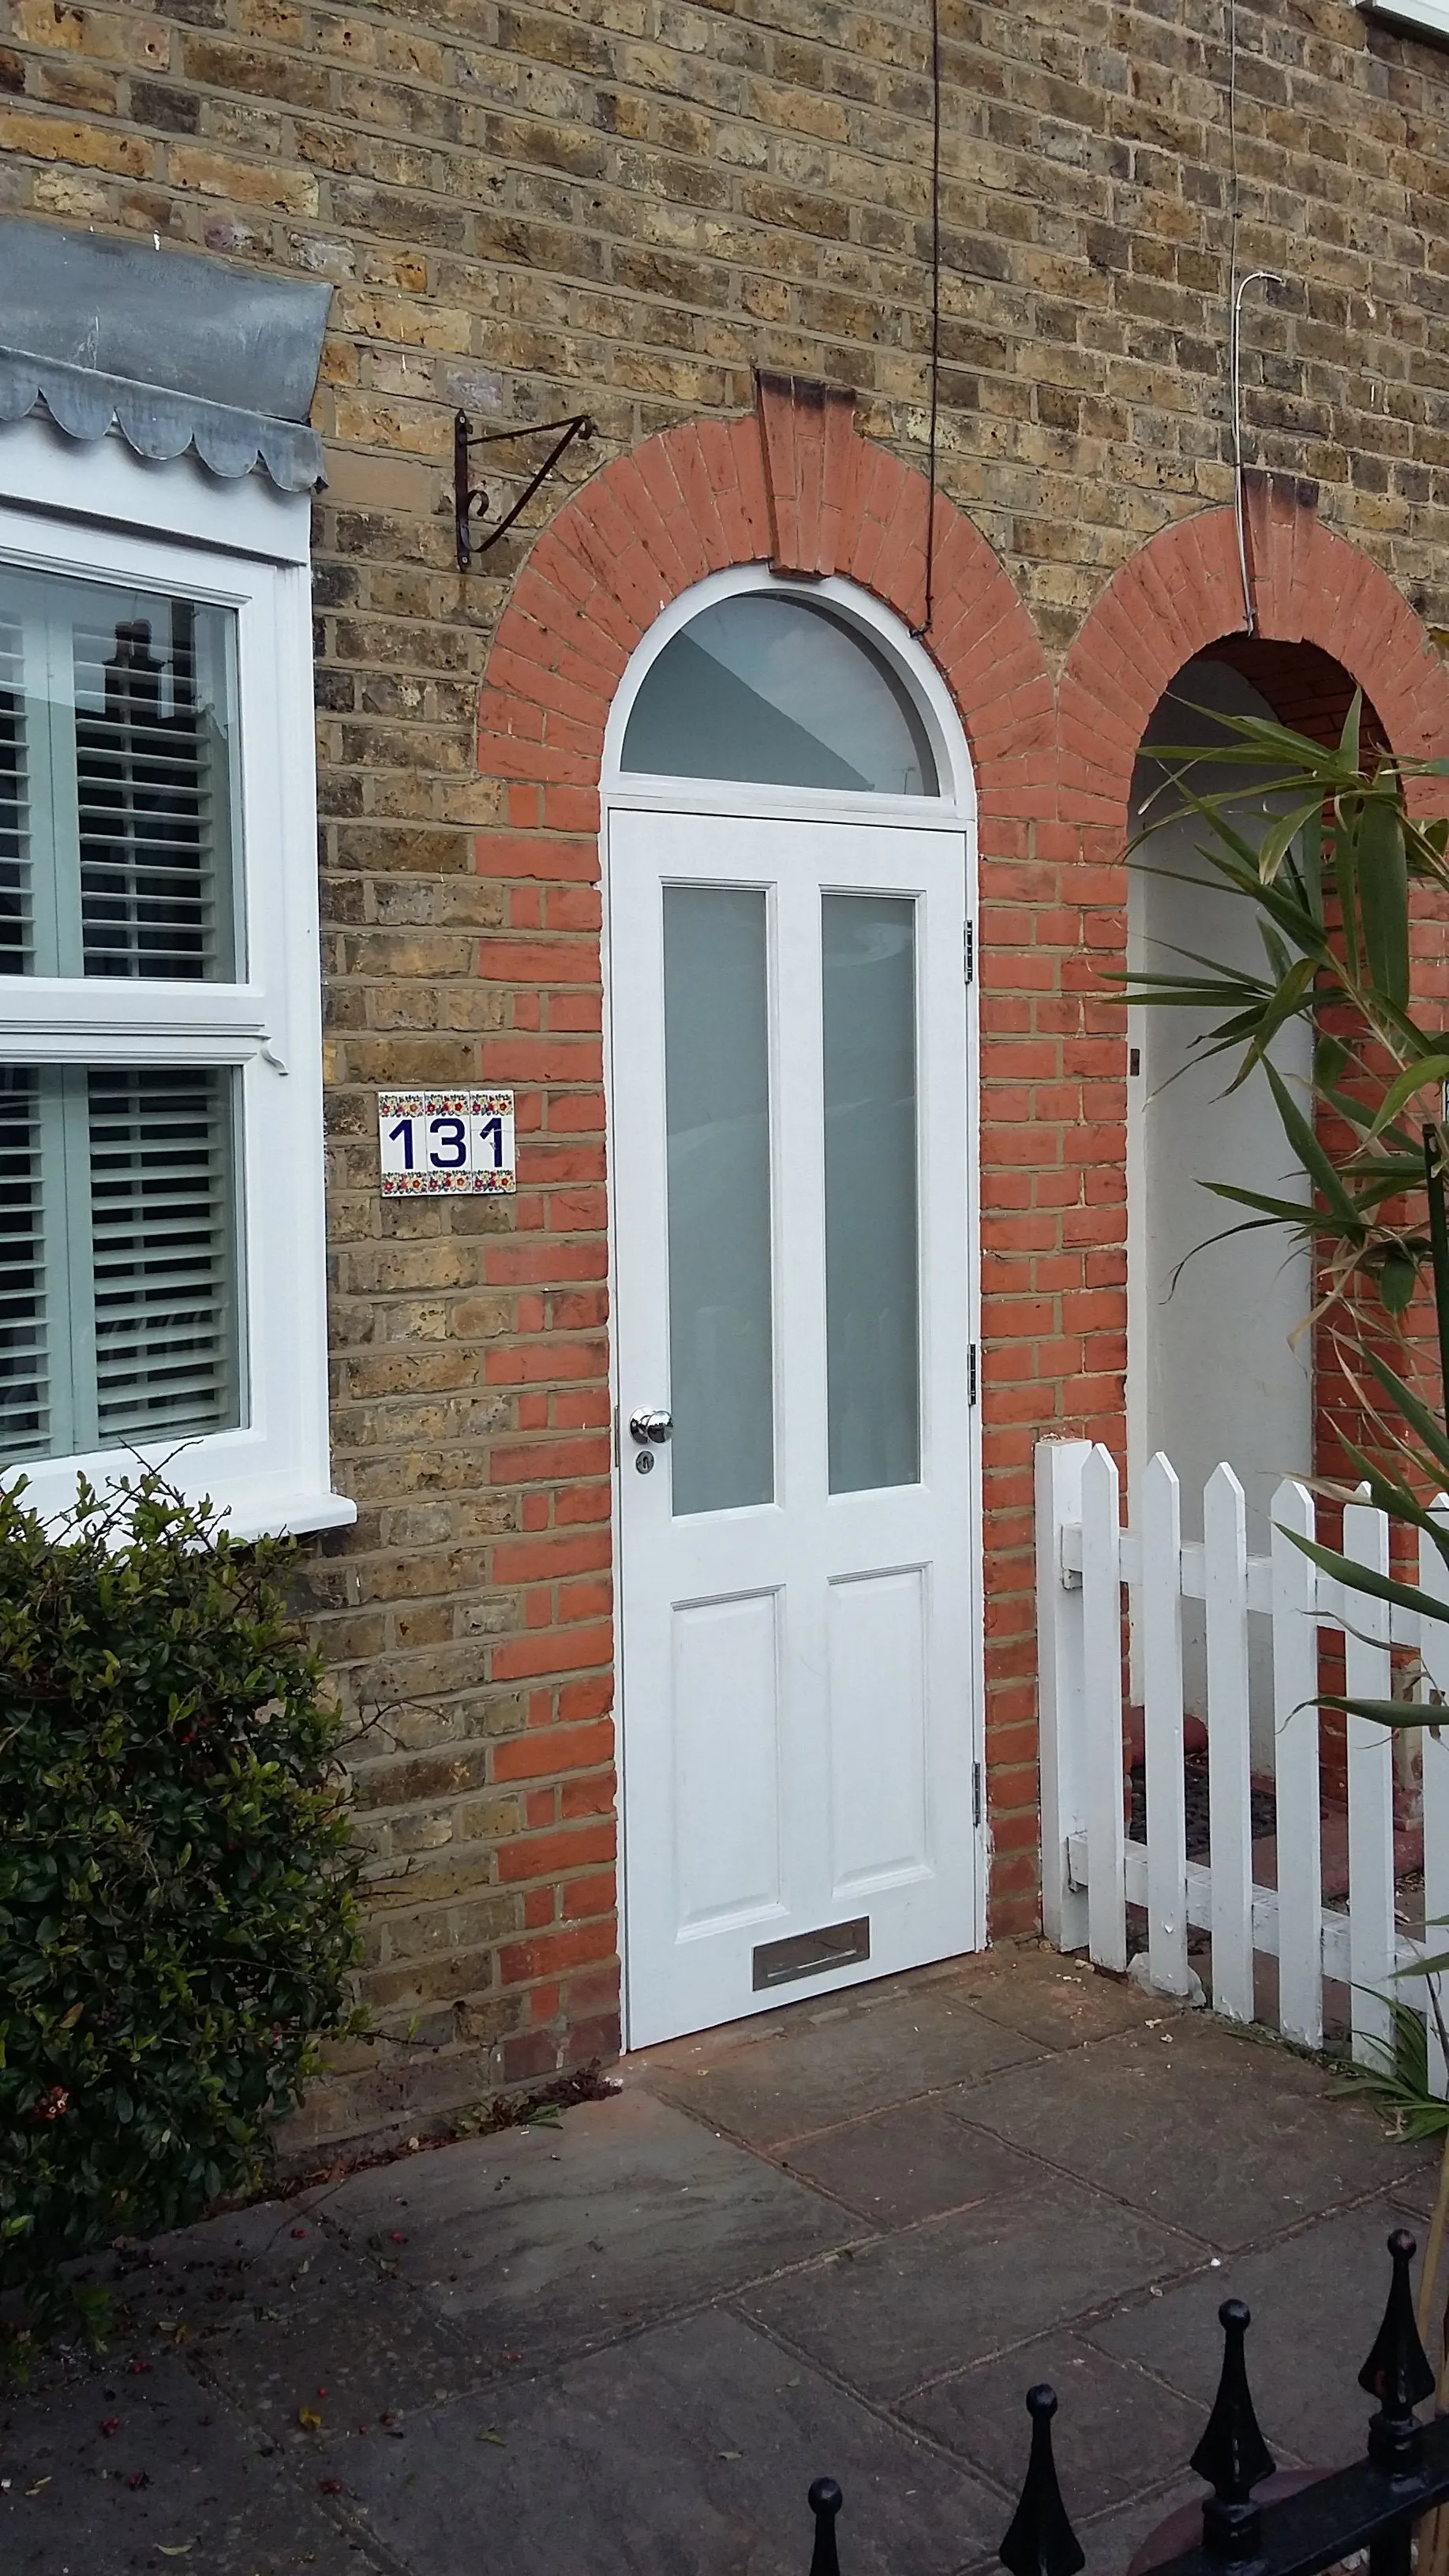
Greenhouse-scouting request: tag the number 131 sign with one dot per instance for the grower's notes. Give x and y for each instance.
(439, 1141)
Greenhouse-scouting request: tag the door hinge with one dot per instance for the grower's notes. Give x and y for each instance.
(968, 953)
(976, 1794)
(971, 1373)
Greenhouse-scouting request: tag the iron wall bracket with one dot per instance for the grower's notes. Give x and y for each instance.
(467, 495)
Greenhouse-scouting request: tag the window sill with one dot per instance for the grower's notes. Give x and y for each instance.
(291, 1512)
(1411, 17)
(293, 1517)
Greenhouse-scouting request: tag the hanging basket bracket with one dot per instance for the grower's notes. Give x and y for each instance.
(468, 496)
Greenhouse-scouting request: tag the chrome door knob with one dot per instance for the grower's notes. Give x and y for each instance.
(656, 1425)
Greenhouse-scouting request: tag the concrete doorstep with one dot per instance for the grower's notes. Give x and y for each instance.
(844, 2239)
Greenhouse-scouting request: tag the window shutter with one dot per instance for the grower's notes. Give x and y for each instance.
(120, 1304)
(24, 1339)
(147, 800)
(162, 1232)
(14, 802)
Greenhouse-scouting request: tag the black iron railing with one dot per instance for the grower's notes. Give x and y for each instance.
(1373, 2505)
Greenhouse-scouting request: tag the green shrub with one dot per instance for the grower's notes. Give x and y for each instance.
(177, 1915)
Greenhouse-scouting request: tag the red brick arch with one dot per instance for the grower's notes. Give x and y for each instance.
(1180, 595)
(797, 488)
(1183, 592)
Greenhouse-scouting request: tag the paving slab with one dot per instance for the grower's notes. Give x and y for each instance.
(346, 2359)
(689, 2449)
(910, 2163)
(845, 2241)
(1056, 2001)
(703, 2047)
(1415, 2185)
(890, 2314)
(270, 2257)
(1116, 2426)
(1209, 2131)
(1316, 2300)
(1111, 2540)
(206, 2490)
(542, 2243)
(789, 2086)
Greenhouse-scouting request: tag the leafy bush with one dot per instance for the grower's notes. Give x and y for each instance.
(177, 1915)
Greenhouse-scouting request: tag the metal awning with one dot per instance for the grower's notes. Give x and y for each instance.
(175, 350)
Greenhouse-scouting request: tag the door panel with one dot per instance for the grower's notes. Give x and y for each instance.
(877, 1628)
(792, 1254)
(726, 1729)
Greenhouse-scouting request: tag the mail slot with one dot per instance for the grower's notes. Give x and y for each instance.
(812, 1954)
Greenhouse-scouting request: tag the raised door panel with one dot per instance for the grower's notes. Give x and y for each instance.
(878, 1730)
(725, 1691)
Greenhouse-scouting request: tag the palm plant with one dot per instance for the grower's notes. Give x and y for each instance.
(1333, 880)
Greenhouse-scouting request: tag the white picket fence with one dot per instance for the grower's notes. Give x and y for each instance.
(1091, 1870)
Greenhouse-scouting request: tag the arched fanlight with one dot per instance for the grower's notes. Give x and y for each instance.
(770, 687)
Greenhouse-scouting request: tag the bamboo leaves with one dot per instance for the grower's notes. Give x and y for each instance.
(1383, 895)
(1331, 875)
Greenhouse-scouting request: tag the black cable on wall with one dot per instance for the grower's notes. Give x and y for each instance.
(930, 606)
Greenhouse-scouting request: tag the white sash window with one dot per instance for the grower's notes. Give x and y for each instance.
(161, 1241)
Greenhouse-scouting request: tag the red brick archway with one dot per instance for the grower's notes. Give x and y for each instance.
(796, 487)
(1183, 592)
(1328, 621)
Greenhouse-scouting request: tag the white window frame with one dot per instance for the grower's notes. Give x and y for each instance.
(1411, 17)
(101, 512)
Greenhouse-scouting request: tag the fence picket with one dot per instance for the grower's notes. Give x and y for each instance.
(1367, 1674)
(1434, 1656)
(1088, 1569)
(1102, 1659)
(1295, 1771)
(1225, 1557)
(1160, 1521)
(1060, 1667)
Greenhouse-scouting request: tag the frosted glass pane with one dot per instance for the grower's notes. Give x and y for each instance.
(872, 1295)
(717, 1112)
(774, 689)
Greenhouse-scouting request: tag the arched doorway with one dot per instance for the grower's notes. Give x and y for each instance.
(789, 826)
(1219, 1355)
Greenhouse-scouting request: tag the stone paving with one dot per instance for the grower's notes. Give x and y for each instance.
(844, 2237)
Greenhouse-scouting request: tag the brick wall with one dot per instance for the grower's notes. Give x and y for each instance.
(628, 205)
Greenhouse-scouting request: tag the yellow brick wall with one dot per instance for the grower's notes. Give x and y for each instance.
(625, 206)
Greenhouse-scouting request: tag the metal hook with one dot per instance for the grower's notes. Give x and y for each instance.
(466, 494)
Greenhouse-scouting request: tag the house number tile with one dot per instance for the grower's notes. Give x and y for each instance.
(438, 1143)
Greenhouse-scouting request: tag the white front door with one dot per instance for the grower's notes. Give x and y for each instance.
(793, 1263)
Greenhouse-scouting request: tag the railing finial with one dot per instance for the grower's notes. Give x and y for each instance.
(1397, 2372)
(825, 2501)
(1232, 2455)
(1040, 2540)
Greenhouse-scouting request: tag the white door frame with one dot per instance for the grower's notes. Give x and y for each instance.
(622, 791)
